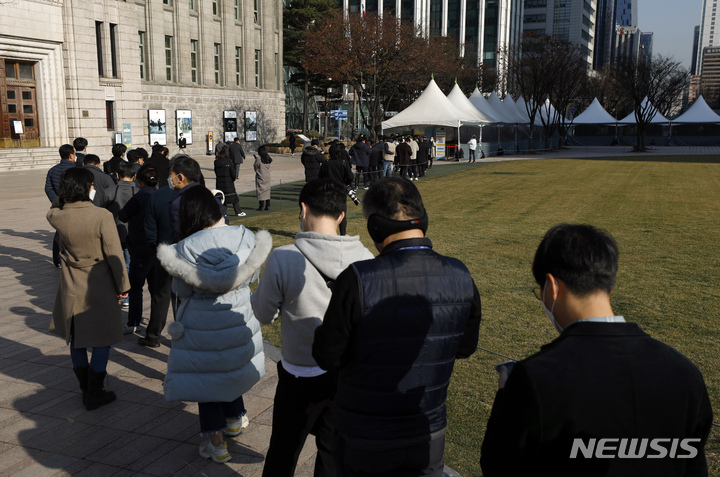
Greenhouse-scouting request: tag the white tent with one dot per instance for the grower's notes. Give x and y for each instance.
(657, 118)
(594, 114)
(431, 108)
(503, 111)
(458, 98)
(699, 112)
(520, 110)
(481, 104)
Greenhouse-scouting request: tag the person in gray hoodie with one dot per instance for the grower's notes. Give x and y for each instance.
(296, 282)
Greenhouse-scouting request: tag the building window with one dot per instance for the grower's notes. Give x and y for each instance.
(257, 68)
(237, 9)
(169, 58)
(143, 66)
(277, 72)
(216, 63)
(110, 114)
(194, 61)
(256, 8)
(216, 7)
(191, 5)
(238, 66)
(113, 52)
(99, 46)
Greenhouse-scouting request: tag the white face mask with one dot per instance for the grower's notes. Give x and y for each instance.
(302, 217)
(170, 183)
(549, 312)
(92, 194)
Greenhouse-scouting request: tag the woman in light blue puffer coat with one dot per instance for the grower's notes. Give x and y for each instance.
(217, 350)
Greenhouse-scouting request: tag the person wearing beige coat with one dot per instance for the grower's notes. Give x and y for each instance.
(93, 277)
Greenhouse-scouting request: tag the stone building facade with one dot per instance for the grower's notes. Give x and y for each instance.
(96, 68)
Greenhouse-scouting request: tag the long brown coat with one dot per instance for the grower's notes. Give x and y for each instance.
(93, 274)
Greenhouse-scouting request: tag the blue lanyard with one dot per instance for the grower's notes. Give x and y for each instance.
(414, 247)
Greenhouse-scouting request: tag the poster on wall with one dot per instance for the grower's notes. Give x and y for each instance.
(127, 135)
(230, 125)
(250, 125)
(157, 126)
(440, 145)
(183, 118)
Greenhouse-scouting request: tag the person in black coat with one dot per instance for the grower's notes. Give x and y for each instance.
(225, 174)
(601, 389)
(293, 144)
(338, 170)
(423, 155)
(312, 158)
(102, 181)
(376, 159)
(110, 167)
(161, 163)
(360, 152)
(236, 155)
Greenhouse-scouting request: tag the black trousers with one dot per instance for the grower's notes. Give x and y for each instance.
(159, 303)
(142, 267)
(214, 415)
(424, 459)
(361, 170)
(302, 406)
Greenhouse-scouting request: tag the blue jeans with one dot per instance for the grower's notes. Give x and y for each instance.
(126, 255)
(98, 362)
(386, 170)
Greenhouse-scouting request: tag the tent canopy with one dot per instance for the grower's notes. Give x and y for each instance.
(481, 104)
(595, 114)
(503, 111)
(431, 108)
(657, 118)
(458, 98)
(699, 112)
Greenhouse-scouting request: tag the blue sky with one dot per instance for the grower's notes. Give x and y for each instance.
(672, 22)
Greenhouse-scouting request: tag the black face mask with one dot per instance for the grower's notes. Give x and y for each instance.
(381, 228)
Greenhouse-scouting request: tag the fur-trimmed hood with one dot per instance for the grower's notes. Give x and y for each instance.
(217, 260)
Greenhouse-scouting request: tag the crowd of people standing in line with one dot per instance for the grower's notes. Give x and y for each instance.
(365, 366)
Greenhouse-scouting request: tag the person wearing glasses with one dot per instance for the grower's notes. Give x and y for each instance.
(603, 390)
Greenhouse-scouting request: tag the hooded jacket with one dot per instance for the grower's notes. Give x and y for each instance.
(294, 283)
(217, 351)
(312, 158)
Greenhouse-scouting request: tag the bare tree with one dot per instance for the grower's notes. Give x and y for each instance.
(385, 61)
(659, 80)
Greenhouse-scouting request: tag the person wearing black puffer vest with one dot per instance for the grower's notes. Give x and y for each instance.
(393, 328)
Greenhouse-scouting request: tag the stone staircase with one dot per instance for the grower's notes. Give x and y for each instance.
(28, 158)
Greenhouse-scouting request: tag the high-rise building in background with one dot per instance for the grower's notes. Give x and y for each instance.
(646, 45)
(707, 37)
(696, 45)
(481, 27)
(569, 20)
(617, 32)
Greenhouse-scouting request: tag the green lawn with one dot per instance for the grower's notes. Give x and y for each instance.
(664, 213)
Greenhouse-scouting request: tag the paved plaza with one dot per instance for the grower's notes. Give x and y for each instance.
(44, 428)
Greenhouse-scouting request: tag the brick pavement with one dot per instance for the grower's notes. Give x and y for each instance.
(44, 428)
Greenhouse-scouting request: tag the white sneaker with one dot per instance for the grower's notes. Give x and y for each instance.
(128, 330)
(235, 426)
(218, 454)
(242, 214)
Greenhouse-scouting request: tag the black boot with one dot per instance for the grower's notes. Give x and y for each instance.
(82, 376)
(260, 207)
(96, 395)
(267, 204)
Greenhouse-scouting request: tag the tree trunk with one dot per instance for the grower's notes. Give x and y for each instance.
(306, 105)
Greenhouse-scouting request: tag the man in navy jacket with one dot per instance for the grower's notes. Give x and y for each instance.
(393, 329)
(604, 398)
